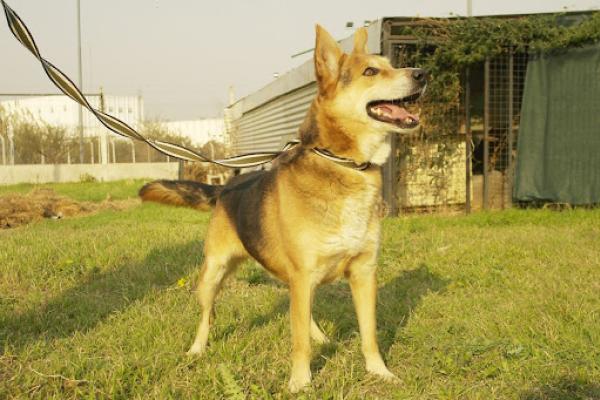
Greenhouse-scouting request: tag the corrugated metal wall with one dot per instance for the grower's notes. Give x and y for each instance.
(271, 125)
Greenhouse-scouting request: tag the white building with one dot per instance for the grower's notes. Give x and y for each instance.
(200, 131)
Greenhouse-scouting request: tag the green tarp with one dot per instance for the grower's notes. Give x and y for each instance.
(558, 152)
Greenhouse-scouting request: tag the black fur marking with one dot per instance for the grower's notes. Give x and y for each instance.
(346, 78)
(243, 200)
(309, 130)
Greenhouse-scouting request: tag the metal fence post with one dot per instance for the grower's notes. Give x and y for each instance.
(468, 140)
(390, 177)
(80, 81)
(132, 151)
(486, 137)
(91, 150)
(112, 147)
(104, 156)
(100, 158)
(181, 170)
(3, 150)
(509, 170)
(11, 145)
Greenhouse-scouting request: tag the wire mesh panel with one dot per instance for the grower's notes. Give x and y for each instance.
(497, 109)
(504, 80)
(431, 162)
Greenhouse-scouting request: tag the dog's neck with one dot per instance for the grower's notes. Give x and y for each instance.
(376, 150)
(321, 131)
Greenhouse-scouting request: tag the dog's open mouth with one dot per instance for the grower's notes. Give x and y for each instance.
(395, 111)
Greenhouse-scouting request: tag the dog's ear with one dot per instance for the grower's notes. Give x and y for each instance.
(327, 59)
(360, 41)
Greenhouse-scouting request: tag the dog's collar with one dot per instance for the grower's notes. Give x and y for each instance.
(346, 162)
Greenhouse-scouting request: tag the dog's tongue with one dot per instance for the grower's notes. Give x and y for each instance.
(394, 111)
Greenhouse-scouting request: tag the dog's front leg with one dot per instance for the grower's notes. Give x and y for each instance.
(363, 284)
(300, 303)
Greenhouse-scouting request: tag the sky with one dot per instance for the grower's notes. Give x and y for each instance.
(183, 55)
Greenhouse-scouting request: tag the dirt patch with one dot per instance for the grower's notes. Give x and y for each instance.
(19, 209)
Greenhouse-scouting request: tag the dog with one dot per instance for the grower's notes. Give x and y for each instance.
(310, 220)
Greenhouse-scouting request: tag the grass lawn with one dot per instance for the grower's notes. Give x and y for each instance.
(491, 306)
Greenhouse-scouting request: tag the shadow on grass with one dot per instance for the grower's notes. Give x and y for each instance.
(566, 388)
(396, 300)
(101, 294)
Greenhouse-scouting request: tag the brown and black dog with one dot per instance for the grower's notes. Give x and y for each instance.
(309, 220)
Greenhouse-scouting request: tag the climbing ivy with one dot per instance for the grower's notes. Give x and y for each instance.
(445, 47)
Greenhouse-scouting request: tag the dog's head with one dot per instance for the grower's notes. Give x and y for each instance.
(361, 97)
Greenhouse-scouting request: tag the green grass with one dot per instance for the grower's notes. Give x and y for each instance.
(491, 306)
(83, 191)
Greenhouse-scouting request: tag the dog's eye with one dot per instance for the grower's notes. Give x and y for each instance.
(370, 71)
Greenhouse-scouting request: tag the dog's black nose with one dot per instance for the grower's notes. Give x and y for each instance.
(419, 75)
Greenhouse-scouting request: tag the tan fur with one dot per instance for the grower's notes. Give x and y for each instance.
(309, 220)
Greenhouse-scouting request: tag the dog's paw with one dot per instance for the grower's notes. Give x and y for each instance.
(319, 338)
(196, 350)
(299, 383)
(381, 371)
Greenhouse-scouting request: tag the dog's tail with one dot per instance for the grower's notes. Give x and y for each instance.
(181, 193)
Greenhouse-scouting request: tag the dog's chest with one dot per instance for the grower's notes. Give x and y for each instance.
(347, 224)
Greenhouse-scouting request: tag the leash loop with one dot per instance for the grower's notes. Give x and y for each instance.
(114, 124)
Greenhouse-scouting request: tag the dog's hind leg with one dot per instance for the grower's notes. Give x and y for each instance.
(212, 276)
(223, 253)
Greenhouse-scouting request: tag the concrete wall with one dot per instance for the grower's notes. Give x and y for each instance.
(12, 174)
